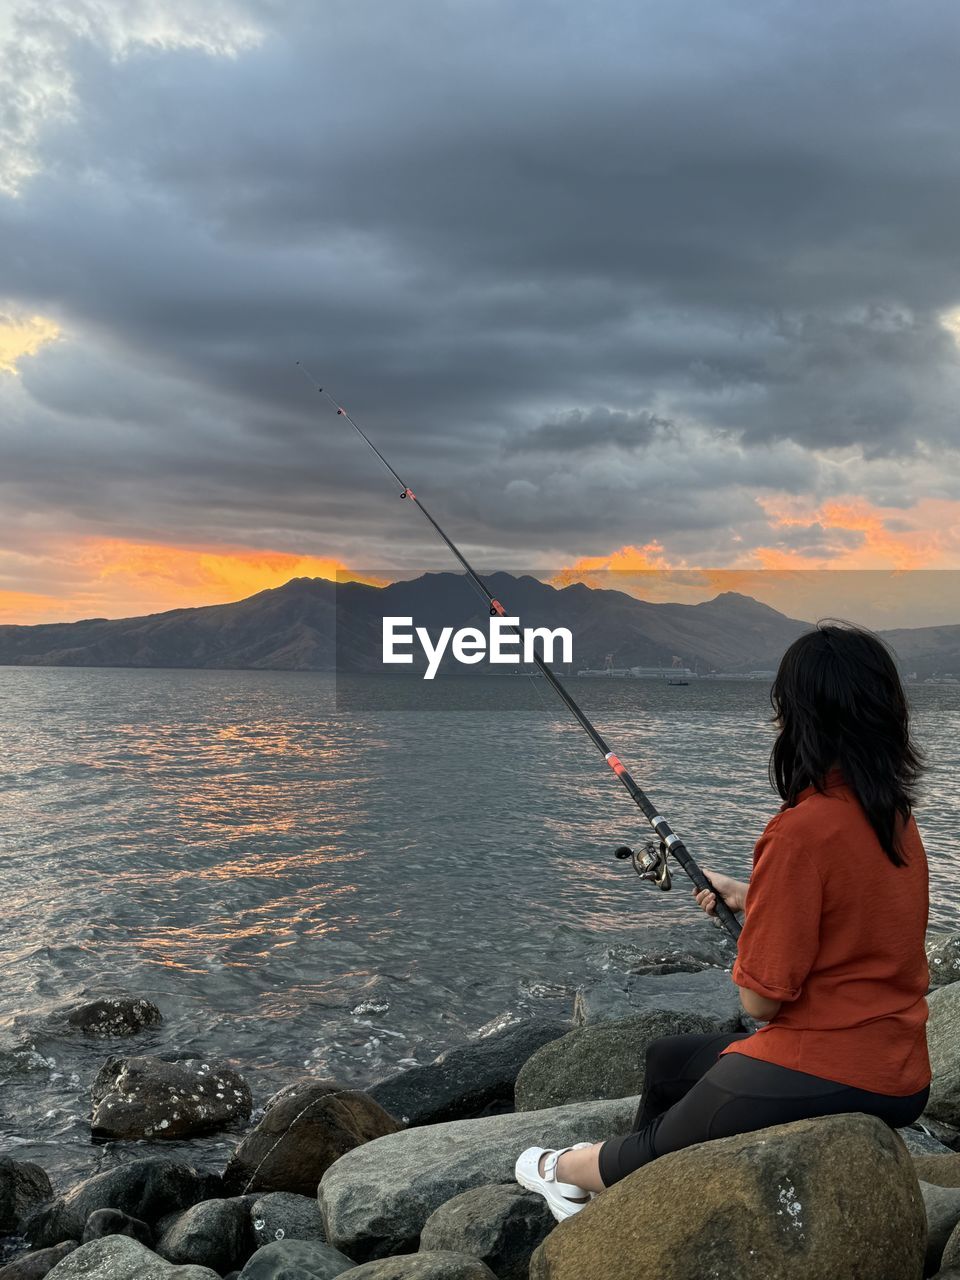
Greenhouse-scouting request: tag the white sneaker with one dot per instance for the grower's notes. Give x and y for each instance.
(564, 1198)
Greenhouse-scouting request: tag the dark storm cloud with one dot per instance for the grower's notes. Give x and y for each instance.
(578, 431)
(496, 229)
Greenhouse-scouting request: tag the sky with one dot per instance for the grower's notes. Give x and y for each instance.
(617, 286)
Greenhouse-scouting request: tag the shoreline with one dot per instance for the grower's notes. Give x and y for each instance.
(491, 1083)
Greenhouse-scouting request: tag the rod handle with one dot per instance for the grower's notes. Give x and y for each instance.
(726, 917)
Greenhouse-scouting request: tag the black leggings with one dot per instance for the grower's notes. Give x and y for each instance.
(691, 1095)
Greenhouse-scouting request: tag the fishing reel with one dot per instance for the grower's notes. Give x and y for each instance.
(650, 863)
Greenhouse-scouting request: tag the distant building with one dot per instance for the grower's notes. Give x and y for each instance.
(639, 673)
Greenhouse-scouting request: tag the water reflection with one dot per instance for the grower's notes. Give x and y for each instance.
(264, 865)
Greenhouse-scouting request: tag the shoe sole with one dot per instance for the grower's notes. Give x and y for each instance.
(540, 1188)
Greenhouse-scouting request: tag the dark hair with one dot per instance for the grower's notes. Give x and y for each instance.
(838, 702)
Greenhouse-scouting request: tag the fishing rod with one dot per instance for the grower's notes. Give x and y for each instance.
(650, 863)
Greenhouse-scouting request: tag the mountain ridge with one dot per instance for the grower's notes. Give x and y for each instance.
(309, 624)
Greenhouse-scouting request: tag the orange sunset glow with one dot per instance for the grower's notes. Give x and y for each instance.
(107, 577)
(923, 536)
(863, 577)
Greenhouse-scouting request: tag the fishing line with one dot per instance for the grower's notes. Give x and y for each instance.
(649, 863)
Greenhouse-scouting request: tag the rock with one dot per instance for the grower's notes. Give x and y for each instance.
(943, 958)
(424, 1266)
(919, 1143)
(296, 1260)
(214, 1233)
(814, 1200)
(23, 1186)
(159, 1098)
(34, 1266)
(376, 1198)
(115, 1016)
(943, 1044)
(600, 1060)
(941, 1170)
(305, 1128)
(112, 1222)
(627, 957)
(951, 1252)
(281, 1215)
(699, 942)
(711, 993)
(465, 1081)
(500, 1225)
(947, 1135)
(942, 1207)
(146, 1189)
(120, 1258)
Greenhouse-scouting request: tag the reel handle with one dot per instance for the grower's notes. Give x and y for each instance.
(651, 864)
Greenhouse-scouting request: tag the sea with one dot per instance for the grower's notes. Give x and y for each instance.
(308, 889)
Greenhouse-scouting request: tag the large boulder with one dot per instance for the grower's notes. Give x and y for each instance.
(296, 1260)
(120, 1258)
(282, 1215)
(601, 1060)
(465, 1081)
(814, 1200)
(500, 1225)
(114, 1016)
(943, 1044)
(304, 1129)
(942, 1207)
(376, 1199)
(162, 1098)
(943, 958)
(23, 1187)
(214, 1233)
(37, 1265)
(941, 1170)
(711, 993)
(146, 1189)
(424, 1266)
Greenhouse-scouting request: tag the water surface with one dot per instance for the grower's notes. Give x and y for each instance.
(303, 890)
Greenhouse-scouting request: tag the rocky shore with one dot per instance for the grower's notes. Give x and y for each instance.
(412, 1178)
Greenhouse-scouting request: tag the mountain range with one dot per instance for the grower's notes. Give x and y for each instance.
(312, 624)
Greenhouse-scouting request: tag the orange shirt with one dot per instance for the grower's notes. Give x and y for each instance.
(836, 932)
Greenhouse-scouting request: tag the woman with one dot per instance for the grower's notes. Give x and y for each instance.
(831, 957)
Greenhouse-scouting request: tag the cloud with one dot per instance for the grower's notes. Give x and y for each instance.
(849, 533)
(40, 45)
(579, 430)
(592, 277)
(23, 335)
(102, 577)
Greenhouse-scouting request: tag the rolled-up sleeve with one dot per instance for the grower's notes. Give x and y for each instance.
(781, 931)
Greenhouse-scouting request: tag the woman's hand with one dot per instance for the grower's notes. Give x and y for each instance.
(733, 892)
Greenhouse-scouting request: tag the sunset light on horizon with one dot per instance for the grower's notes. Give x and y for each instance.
(110, 578)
